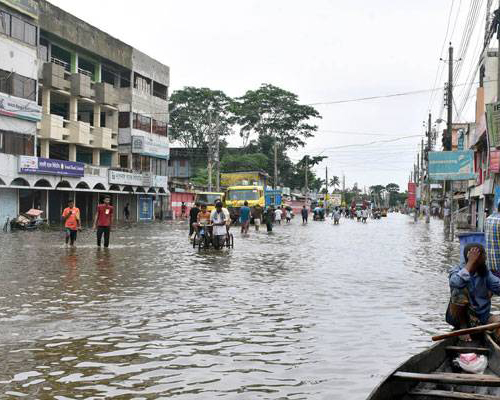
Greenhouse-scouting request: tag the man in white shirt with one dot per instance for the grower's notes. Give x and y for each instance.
(277, 215)
(219, 220)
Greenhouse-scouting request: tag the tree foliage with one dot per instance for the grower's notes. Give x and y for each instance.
(198, 114)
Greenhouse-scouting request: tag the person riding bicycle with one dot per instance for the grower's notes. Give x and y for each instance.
(218, 219)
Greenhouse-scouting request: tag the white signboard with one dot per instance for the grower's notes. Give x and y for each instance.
(336, 199)
(150, 147)
(16, 107)
(125, 178)
(160, 181)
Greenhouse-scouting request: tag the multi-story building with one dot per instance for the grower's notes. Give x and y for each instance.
(103, 126)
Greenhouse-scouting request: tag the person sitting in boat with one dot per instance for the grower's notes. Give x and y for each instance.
(472, 284)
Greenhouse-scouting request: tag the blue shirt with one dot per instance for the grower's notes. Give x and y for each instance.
(244, 214)
(478, 288)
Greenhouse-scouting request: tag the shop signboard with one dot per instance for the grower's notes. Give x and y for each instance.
(160, 181)
(451, 165)
(48, 166)
(460, 139)
(148, 146)
(125, 178)
(493, 123)
(495, 161)
(16, 107)
(336, 199)
(145, 207)
(412, 192)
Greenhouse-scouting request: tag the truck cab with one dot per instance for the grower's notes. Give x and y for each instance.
(208, 198)
(237, 195)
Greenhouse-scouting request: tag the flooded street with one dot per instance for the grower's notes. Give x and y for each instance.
(309, 312)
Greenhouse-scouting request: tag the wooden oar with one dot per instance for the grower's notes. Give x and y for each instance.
(460, 332)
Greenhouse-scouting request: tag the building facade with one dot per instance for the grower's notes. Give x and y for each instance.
(100, 118)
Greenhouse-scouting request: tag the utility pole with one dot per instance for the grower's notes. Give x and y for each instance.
(429, 145)
(217, 162)
(275, 182)
(306, 167)
(449, 221)
(209, 165)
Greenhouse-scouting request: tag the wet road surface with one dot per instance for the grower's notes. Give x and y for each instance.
(309, 312)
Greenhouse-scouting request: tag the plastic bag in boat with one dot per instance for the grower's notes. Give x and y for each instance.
(472, 363)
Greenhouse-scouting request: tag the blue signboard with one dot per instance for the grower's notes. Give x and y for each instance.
(145, 207)
(451, 165)
(39, 165)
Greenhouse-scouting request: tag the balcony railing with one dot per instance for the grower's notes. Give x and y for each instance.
(62, 63)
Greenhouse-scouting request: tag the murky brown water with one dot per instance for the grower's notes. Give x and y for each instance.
(315, 312)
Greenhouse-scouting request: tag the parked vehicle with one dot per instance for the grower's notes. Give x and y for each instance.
(208, 198)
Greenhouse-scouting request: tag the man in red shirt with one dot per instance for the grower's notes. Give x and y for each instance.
(103, 221)
(71, 217)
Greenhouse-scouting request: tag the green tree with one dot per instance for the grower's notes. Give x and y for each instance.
(392, 188)
(334, 181)
(198, 114)
(271, 111)
(252, 161)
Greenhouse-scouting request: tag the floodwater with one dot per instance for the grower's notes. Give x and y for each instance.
(308, 312)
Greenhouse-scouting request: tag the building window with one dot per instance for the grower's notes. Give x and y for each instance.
(141, 122)
(16, 144)
(160, 90)
(22, 30)
(142, 83)
(124, 161)
(124, 120)
(107, 76)
(182, 163)
(4, 23)
(159, 127)
(17, 85)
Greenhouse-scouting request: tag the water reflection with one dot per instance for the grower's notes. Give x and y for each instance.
(310, 312)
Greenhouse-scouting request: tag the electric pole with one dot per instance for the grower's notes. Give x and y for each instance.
(429, 145)
(275, 182)
(306, 167)
(209, 165)
(217, 162)
(449, 221)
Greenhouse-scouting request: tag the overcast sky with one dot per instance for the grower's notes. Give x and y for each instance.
(322, 50)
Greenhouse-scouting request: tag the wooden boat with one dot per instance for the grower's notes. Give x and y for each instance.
(429, 375)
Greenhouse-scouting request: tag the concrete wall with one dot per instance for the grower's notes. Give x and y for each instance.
(149, 67)
(490, 77)
(74, 31)
(8, 205)
(18, 57)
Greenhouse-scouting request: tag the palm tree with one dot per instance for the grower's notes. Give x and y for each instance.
(334, 181)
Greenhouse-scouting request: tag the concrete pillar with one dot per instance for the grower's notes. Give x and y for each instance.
(44, 148)
(97, 116)
(73, 108)
(96, 156)
(72, 152)
(115, 159)
(97, 73)
(74, 63)
(45, 100)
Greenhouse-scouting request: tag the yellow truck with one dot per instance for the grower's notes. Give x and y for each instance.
(208, 198)
(237, 195)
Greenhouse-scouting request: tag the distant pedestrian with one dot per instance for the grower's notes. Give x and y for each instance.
(103, 221)
(193, 218)
(71, 217)
(257, 216)
(288, 215)
(126, 212)
(183, 210)
(277, 215)
(245, 217)
(305, 214)
(268, 218)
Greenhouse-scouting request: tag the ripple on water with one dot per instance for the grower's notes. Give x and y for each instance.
(311, 312)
